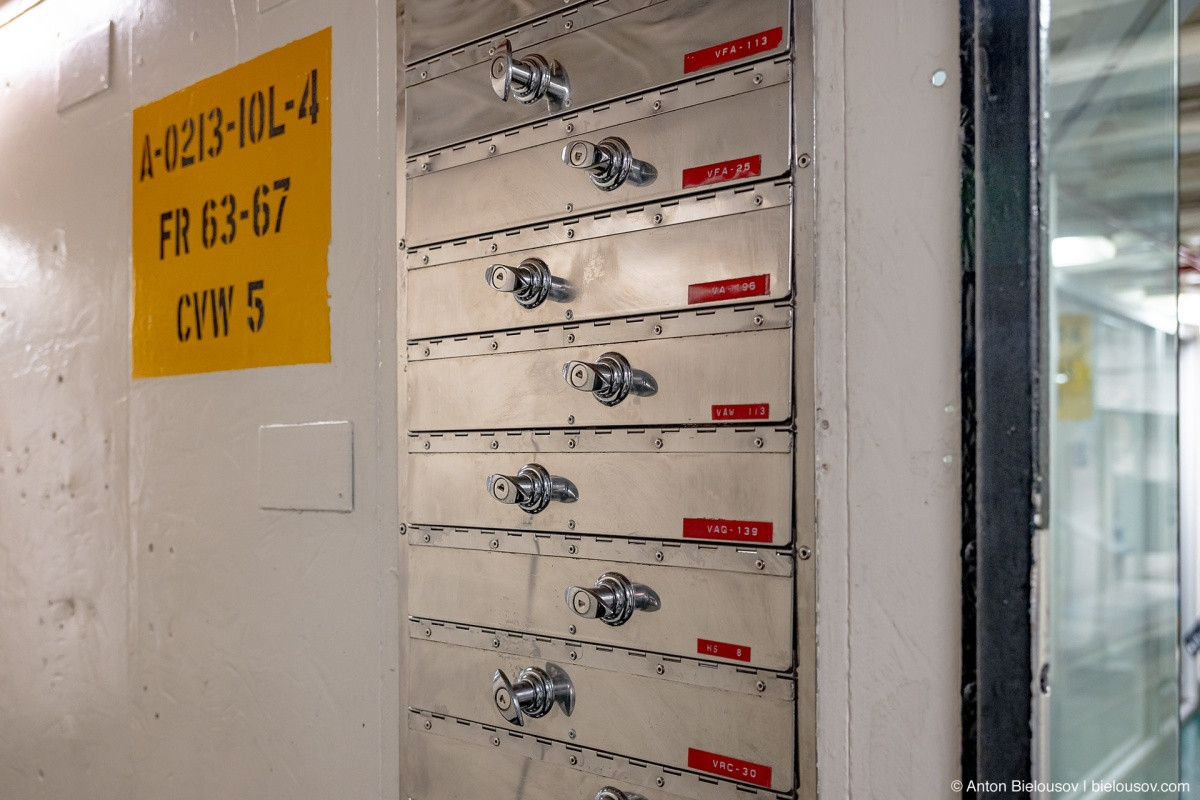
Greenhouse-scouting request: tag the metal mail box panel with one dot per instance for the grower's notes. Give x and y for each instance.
(745, 737)
(433, 26)
(690, 380)
(659, 44)
(707, 145)
(725, 259)
(439, 768)
(739, 618)
(729, 497)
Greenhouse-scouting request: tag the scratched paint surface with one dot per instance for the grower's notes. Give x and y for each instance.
(161, 637)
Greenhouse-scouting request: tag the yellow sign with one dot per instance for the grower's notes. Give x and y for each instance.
(1074, 367)
(231, 218)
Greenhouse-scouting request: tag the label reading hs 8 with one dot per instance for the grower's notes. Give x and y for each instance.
(231, 222)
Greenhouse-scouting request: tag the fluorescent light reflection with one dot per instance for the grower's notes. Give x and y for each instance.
(1076, 251)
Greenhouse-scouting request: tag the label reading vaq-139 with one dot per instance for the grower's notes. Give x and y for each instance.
(231, 217)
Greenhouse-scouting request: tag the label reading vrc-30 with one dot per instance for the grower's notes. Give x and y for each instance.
(231, 217)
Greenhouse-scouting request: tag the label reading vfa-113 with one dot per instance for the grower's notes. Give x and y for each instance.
(231, 217)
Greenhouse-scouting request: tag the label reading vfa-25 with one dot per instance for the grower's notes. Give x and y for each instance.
(231, 217)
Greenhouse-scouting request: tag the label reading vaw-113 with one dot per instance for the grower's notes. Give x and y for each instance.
(231, 217)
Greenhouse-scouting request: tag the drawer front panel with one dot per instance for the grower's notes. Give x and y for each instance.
(707, 144)
(738, 618)
(433, 26)
(650, 719)
(657, 45)
(741, 498)
(444, 769)
(737, 377)
(741, 257)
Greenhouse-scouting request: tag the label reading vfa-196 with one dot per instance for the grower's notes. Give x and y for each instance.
(231, 217)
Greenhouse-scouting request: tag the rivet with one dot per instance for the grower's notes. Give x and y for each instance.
(571, 419)
(658, 330)
(571, 629)
(573, 760)
(403, 528)
(571, 444)
(570, 338)
(495, 741)
(570, 233)
(758, 442)
(758, 200)
(494, 543)
(425, 167)
(400, 244)
(758, 78)
(491, 148)
(659, 782)
(491, 51)
(762, 687)
(571, 524)
(494, 247)
(495, 642)
(425, 538)
(572, 549)
(427, 445)
(424, 259)
(494, 444)
(804, 160)
(568, 207)
(760, 564)
(568, 25)
(658, 556)
(571, 733)
(569, 314)
(658, 219)
(573, 655)
(660, 669)
(805, 553)
(758, 319)
(570, 129)
(424, 74)
(428, 724)
(428, 632)
(658, 443)
(657, 105)
(494, 345)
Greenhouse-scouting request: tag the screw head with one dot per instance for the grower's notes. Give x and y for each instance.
(428, 724)
(494, 543)
(568, 25)
(425, 167)
(424, 74)
(572, 549)
(425, 538)
(403, 529)
(758, 201)
(762, 687)
(760, 564)
(573, 760)
(573, 655)
(804, 160)
(658, 443)
(571, 524)
(569, 314)
(660, 669)
(427, 445)
(658, 555)
(660, 782)
(571, 733)
(571, 444)
(494, 247)
(495, 741)
(758, 319)
(658, 330)
(571, 629)
(571, 419)
(570, 129)
(494, 444)
(495, 642)
(428, 632)
(570, 338)
(758, 78)
(805, 553)
(658, 218)
(568, 207)
(570, 233)
(657, 105)
(425, 259)
(494, 345)
(758, 442)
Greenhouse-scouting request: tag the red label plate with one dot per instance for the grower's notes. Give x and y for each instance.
(732, 170)
(741, 411)
(728, 530)
(736, 652)
(733, 768)
(733, 50)
(751, 286)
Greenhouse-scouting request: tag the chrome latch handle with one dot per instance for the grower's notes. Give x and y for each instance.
(529, 79)
(530, 282)
(534, 693)
(610, 379)
(531, 489)
(613, 793)
(609, 162)
(612, 600)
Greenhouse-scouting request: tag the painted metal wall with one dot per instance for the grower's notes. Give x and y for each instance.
(161, 635)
